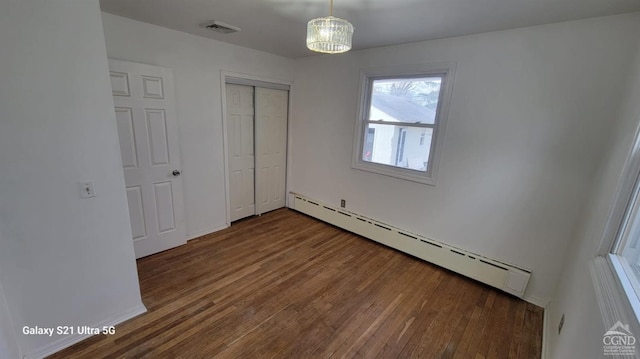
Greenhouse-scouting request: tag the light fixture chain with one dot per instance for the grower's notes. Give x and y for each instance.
(331, 8)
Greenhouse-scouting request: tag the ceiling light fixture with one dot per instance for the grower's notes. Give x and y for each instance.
(330, 35)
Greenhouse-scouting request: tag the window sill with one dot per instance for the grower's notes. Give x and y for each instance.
(401, 173)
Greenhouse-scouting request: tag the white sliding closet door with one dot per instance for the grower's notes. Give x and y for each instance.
(240, 120)
(271, 148)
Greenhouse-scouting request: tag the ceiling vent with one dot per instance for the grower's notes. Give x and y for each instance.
(221, 27)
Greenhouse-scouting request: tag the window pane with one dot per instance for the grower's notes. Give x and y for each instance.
(410, 100)
(398, 146)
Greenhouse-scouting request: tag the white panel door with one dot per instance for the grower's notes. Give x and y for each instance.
(271, 148)
(240, 118)
(147, 128)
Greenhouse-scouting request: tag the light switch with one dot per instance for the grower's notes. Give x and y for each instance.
(86, 190)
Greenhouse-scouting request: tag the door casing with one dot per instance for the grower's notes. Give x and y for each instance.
(256, 81)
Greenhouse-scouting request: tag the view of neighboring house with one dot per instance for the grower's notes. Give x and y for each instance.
(400, 146)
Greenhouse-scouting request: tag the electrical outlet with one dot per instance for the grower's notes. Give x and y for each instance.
(561, 324)
(86, 190)
(343, 203)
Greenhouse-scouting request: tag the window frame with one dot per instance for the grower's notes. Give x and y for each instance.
(615, 294)
(446, 71)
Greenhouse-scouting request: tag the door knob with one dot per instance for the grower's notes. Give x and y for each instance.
(175, 173)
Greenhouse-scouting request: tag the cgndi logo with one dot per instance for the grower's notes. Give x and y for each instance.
(619, 341)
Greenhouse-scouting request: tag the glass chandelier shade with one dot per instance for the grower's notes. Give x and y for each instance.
(330, 35)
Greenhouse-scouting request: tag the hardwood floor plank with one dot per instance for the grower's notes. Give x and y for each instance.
(479, 332)
(403, 319)
(284, 285)
(423, 343)
(518, 331)
(361, 310)
(466, 306)
(474, 326)
(495, 322)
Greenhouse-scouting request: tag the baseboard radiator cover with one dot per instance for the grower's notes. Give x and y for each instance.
(503, 276)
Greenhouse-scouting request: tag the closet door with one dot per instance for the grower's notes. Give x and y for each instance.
(240, 132)
(271, 148)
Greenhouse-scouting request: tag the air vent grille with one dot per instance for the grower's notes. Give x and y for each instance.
(221, 27)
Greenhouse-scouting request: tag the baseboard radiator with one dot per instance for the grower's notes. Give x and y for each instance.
(506, 277)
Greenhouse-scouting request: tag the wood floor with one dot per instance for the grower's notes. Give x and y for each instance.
(287, 286)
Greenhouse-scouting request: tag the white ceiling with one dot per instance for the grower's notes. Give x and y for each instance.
(279, 26)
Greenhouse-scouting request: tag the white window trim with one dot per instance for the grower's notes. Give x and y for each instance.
(444, 69)
(611, 294)
(614, 293)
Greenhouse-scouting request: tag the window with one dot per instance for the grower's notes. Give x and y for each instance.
(615, 270)
(625, 253)
(401, 120)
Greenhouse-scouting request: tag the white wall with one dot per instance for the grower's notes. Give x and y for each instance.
(196, 63)
(63, 260)
(9, 348)
(527, 128)
(582, 333)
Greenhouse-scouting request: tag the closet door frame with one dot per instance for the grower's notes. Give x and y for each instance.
(255, 81)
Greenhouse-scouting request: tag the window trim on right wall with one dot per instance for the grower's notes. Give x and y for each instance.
(615, 295)
(446, 71)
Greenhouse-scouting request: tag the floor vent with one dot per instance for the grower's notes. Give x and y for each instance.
(503, 276)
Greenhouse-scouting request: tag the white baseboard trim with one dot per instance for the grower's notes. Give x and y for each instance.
(206, 231)
(498, 274)
(540, 302)
(70, 340)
